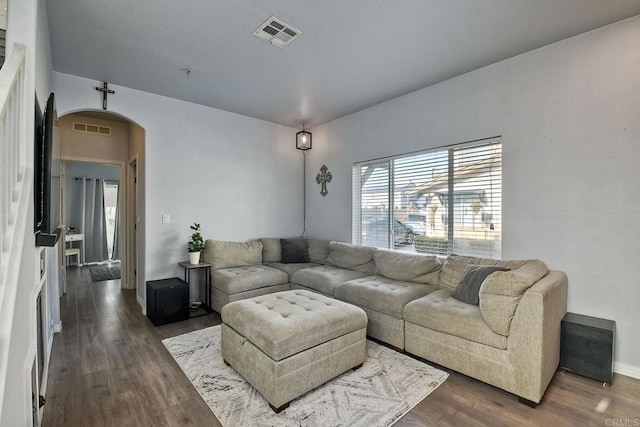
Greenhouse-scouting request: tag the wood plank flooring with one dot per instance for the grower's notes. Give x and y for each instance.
(109, 368)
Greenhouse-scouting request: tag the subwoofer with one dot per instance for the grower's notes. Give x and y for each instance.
(586, 346)
(167, 301)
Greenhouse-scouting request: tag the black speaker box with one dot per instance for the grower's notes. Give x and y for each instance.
(167, 301)
(587, 346)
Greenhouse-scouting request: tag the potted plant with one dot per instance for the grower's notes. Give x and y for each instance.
(195, 244)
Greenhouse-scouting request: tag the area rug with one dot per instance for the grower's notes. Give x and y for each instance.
(100, 274)
(384, 389)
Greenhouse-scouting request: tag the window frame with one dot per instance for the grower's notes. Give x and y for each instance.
(456, 197)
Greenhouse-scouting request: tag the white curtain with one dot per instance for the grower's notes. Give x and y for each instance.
(88, 212)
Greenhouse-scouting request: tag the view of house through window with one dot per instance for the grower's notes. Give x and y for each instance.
(435, 202)
(110, 213)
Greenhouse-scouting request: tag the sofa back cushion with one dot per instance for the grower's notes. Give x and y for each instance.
(502, 291)
(353, 257)
(454, 266)
(232, 254)
(271, 249)
(408, 267)
(318, 249)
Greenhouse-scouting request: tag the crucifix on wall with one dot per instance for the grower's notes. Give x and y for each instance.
(322, 178)
(105, 92)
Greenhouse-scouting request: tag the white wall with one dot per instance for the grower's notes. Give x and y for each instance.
(26, 24)
(239, 177)
(569, 115)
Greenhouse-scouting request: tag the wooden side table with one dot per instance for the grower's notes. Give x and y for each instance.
(205, 307)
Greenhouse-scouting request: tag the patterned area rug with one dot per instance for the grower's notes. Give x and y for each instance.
(100, 274)
(385, 388)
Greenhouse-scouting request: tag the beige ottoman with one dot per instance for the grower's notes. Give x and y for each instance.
(287, 343)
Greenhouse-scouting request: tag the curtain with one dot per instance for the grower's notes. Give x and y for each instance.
(116, 242)
(91, 218)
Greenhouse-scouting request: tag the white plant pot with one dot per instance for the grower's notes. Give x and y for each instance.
(194, 257)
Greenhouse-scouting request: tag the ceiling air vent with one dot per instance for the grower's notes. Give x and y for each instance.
(90, 128)
(276, 32)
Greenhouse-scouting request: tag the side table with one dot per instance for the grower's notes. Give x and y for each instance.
(205, 307)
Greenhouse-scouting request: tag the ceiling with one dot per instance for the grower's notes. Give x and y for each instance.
(352, 54)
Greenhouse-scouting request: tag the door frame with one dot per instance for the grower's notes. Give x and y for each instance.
(122, 202)
(132, 225)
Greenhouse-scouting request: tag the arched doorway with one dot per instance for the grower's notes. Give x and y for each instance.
(99, 139)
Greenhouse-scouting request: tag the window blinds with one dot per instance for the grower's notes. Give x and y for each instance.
(437, 202)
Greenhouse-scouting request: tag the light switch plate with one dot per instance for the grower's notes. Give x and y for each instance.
(166, 218)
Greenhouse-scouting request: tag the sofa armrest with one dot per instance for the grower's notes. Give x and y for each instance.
(533, 346)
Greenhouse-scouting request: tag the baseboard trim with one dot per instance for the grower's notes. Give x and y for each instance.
(142, 304)
(628, 370)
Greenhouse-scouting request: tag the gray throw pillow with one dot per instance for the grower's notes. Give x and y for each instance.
(294, 250)
(468, 290)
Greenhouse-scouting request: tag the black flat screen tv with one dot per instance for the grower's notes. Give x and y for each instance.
(47, 176)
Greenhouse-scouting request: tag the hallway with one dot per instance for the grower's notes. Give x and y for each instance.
(109, 366)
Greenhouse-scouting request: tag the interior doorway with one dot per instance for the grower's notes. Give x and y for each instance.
(92, 212)
(100, 140)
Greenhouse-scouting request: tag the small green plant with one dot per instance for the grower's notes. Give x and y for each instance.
(195, 243)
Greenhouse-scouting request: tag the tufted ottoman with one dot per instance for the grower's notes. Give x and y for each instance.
(288, 343)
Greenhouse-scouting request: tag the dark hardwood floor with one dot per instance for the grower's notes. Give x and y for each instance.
(109, 368)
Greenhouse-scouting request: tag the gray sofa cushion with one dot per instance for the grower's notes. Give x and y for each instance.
(440, 312)
(232, 254)
(241, 279)
(292, 268)
(468, 290)
(381, 294)
(324, 278)
(353, 257)
(271, 250)
(294, 250)
(318, 250)
(408, 267)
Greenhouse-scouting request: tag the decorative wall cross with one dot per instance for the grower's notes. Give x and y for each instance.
(322, 178)
(105, 92)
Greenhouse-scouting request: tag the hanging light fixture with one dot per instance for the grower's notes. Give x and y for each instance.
(303, 139)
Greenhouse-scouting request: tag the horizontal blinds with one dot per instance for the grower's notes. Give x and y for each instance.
(418, 180)
(372, 227)
(477, 200)
(406, 202)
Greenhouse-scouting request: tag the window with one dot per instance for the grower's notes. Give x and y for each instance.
(110, 214)
(437, 202)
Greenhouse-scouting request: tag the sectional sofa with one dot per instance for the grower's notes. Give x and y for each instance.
(510, 339)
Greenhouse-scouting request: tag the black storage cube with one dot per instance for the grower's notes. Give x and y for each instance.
(586, 346)
(167, 301)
